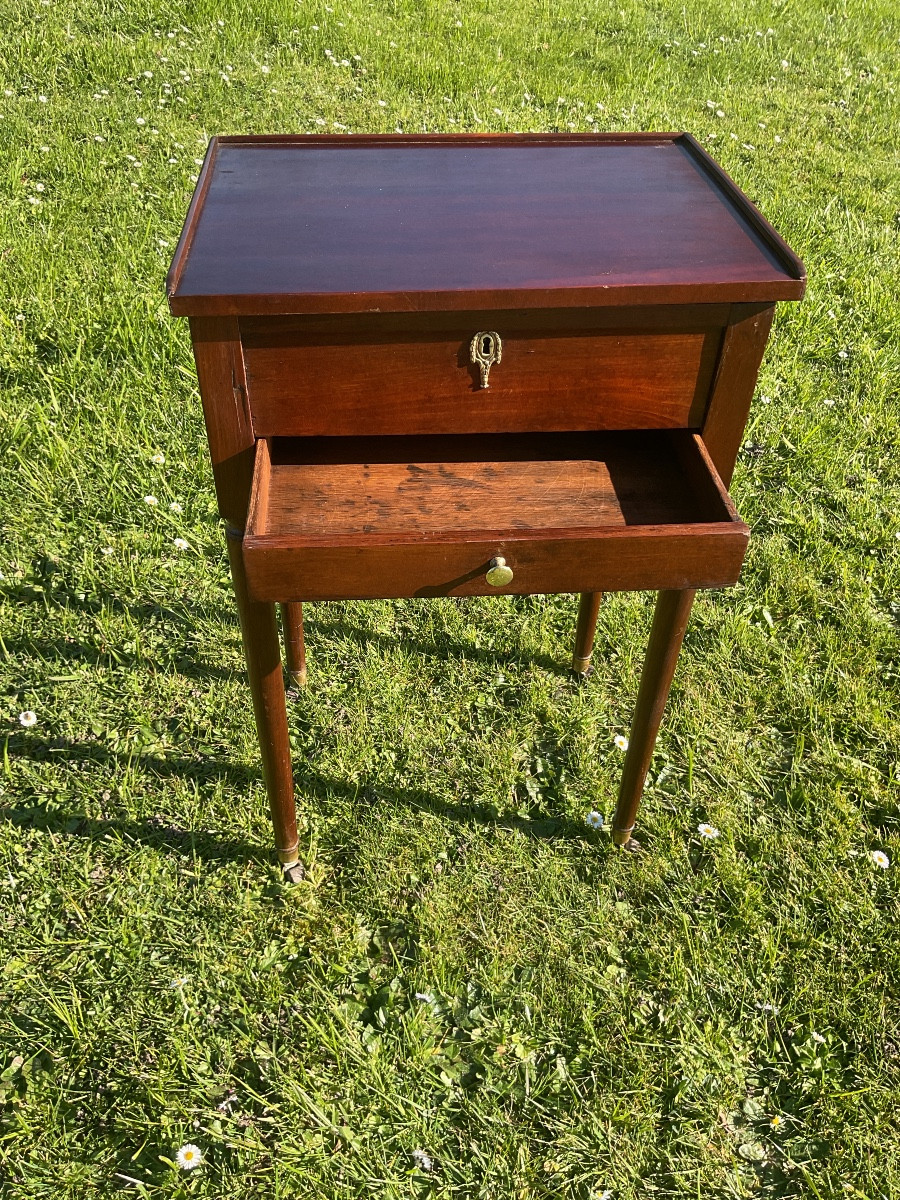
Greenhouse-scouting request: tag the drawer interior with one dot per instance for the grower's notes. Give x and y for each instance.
(355, 517)
(415, 489)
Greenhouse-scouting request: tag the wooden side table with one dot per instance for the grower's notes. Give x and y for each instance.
(453, 365)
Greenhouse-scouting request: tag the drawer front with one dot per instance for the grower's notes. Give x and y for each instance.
(412, 373)
(659, 557)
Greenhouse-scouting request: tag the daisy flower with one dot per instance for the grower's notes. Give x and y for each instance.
(707, 831)
(151, 500)
(27, 718)
(621, 742)
(775, 1123)
(594, 819)
(189, 1157)
(159, 459)
(181, 544)
(879, 858)
(175, 507)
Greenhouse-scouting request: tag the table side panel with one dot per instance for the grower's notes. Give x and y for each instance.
(220, 374)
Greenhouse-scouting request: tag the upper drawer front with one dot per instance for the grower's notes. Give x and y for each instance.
(412, 374)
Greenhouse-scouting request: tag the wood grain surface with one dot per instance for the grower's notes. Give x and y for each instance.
(356, 224)
(419, 488)
(344, 517)
(566, 371)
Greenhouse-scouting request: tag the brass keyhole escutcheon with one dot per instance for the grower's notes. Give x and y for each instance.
(485, 349)
(498, 573)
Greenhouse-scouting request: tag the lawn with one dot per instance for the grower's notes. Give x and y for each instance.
(472, 994)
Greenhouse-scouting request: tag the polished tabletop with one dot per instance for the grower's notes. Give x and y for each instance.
(407, 223)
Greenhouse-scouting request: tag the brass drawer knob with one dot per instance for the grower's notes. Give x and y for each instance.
(498, 573)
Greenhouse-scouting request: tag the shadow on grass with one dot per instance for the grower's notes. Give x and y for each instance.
(68, 650)
(443, 650)
(169, 621)
(154, 832)
(160, 833)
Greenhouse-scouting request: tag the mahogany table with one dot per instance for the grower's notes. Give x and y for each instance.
(456, 365)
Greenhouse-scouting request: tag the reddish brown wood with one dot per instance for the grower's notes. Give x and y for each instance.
(334, 285)
(767, 233)
(556, 374)
(440, 223)
(410, 488)
(369, 517)
(588, 610)
(615, 560)
(734, 383)
(261, 650)
(220, 372)
(294, 644)
(669, 622)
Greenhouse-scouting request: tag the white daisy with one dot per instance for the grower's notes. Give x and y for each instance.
(189, 1157)
(159, 459)
(175, 507)
(879, 858)
(818, 1038)
(594, 819)
(27, 718)
(151, 500)
(106, 551)
(621, 742)
(707, 831)
(181, 544)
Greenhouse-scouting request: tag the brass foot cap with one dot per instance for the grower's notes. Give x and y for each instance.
(622, 836)
(294, 873)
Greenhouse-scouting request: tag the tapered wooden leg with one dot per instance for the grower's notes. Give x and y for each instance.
(263, 654)
(669, 623)
(588, 608)
(294, 646)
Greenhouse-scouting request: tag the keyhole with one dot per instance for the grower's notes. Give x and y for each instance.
(487, 346)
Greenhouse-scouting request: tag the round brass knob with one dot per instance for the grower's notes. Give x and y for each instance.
(498, 573)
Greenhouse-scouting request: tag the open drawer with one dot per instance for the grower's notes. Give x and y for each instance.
(335, 518)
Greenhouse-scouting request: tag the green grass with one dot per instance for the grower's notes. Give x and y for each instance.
(467, 970)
